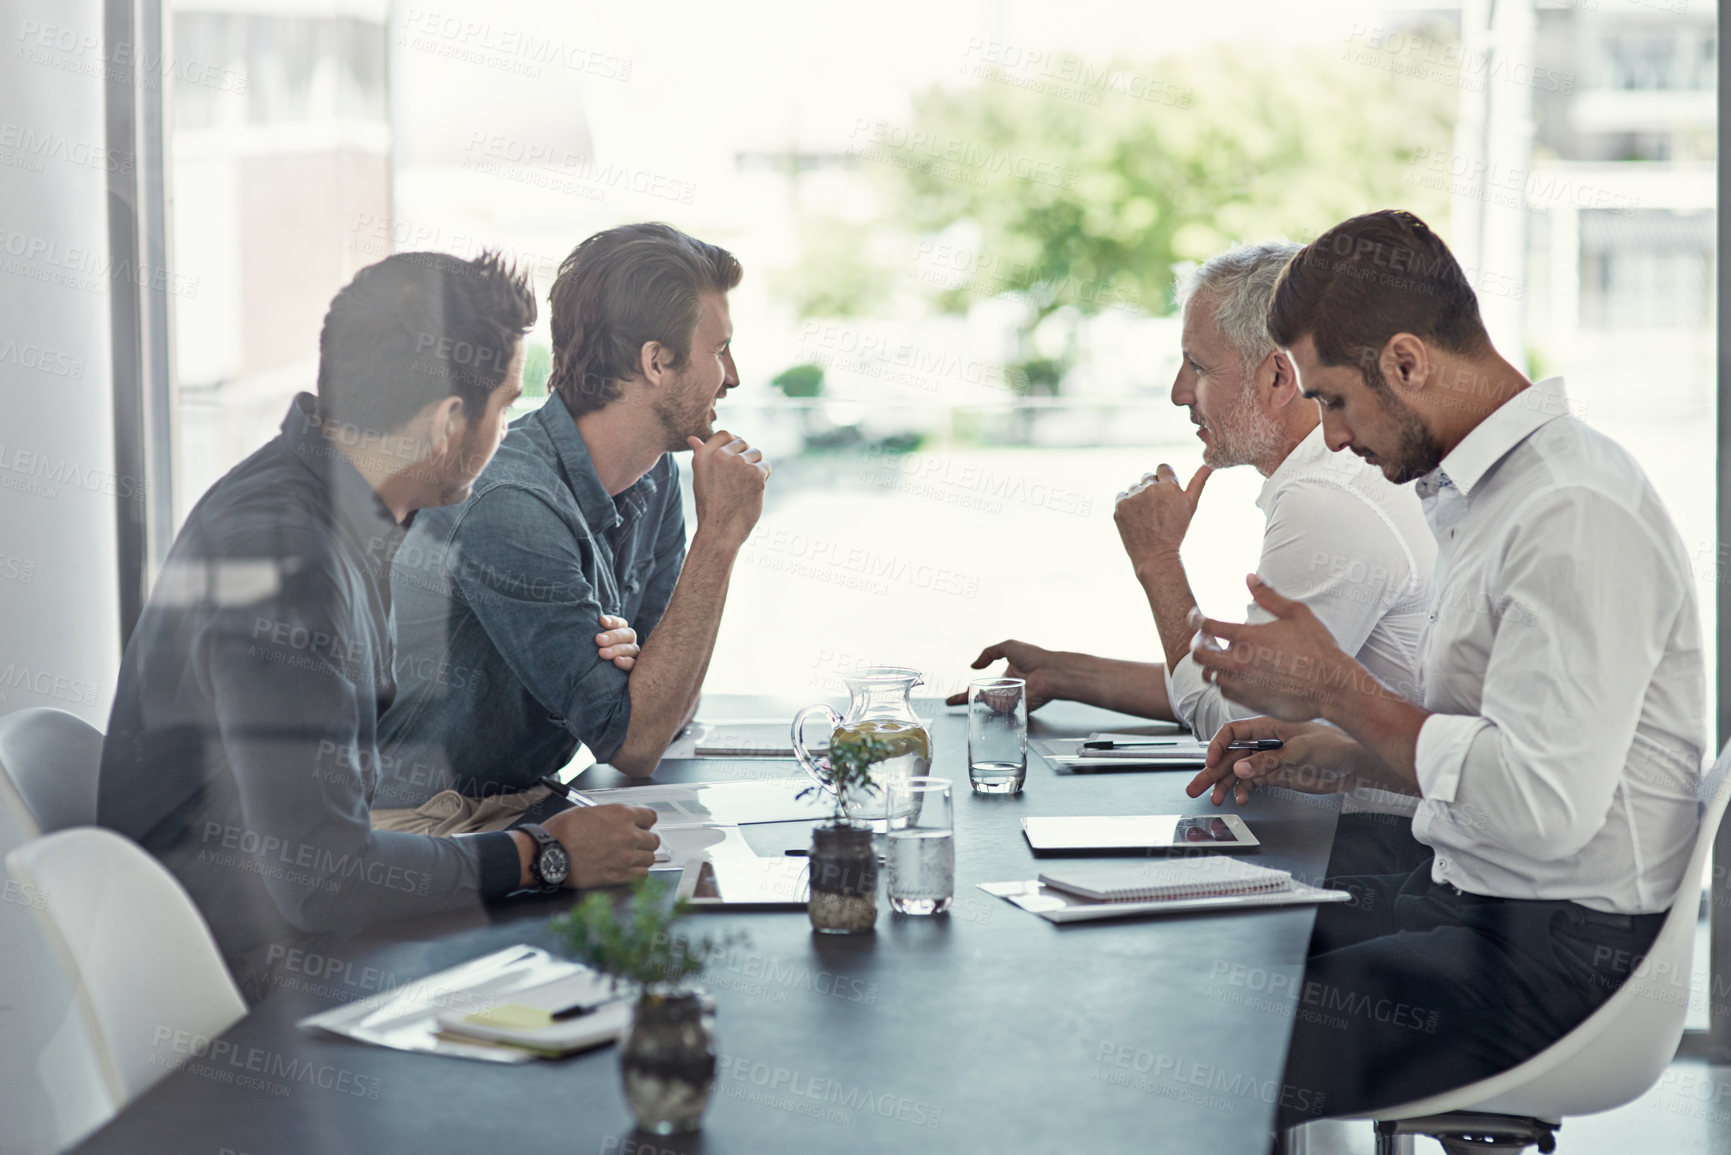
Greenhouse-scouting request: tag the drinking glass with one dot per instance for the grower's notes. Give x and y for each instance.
(997, 735)
(922, 845)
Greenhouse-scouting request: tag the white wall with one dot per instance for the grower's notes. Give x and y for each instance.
(59, 616)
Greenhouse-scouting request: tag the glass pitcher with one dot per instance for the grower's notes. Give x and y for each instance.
(878, 707)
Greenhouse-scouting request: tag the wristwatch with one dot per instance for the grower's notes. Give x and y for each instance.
(549, 864)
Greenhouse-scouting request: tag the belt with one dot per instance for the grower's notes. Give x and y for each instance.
(1577, 914)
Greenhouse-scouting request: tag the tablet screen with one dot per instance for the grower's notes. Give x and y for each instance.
(1139, 832)
(729, 880)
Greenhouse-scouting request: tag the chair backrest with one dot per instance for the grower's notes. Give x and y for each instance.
(1622, 1048)
(52, 1092)
(50, 759)
(149, 983)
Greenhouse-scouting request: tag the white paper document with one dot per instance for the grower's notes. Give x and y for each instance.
(1125, 752)
(738, 738)
(723, 803)
(406, 1018)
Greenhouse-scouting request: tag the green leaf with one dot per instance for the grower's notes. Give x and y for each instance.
(638, 945)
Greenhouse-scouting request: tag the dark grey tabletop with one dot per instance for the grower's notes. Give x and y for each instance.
(986, 1030)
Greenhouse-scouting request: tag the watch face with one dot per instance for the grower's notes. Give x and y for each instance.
(555, 864)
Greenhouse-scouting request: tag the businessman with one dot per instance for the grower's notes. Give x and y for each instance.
(1558, 743)
(560, 603)
(1339, 537)
(241, 749)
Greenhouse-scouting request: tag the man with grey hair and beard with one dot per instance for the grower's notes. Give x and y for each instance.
(1339, 538)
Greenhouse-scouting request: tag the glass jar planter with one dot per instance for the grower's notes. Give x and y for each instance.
(844, 880)
(667, 1059)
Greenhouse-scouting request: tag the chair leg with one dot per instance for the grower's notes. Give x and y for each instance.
(1468, 1133)
(1389, 1142)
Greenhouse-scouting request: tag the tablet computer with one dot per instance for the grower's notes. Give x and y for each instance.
(1138, 832)
(739, 881)
(1121, 752)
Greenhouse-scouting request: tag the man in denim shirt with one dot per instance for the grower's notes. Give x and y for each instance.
(559, 604)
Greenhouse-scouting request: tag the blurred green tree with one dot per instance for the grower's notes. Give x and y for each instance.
(1091, 205)
(799, 381)
(537, 367)
(834, 276)
(1084, 187)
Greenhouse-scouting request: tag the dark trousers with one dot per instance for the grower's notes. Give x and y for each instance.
(1370, 843)
(1415, 988)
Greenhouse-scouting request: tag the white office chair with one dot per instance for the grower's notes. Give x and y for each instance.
(51, 1091)
(150, 988)
(48, 764)
(1612, 1058)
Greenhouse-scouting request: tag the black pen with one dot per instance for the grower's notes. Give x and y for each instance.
(1256, 744)
(576, 1009)
(570, 795)
(1114, 744)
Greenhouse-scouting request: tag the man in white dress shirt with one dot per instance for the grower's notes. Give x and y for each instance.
(1339, 538)
(1559, 742)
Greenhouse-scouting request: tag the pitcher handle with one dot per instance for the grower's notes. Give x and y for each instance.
(806, 761)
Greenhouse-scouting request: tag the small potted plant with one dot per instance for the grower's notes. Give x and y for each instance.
(667, 1058)
(844, 868)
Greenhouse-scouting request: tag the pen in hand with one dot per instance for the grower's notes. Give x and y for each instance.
(1256, 744)
(566, 792)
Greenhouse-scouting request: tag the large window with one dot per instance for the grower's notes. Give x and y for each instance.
(1646, 269)
(280, 145)
(961, 226)
(956, 328)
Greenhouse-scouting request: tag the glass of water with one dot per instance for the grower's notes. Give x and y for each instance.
(997, 735)
(922, 845)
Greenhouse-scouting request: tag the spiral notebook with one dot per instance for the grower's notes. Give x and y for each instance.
(1205, 876)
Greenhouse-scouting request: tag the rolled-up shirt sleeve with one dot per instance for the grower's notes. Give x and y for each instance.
(519, 568)
(1197, 704)
(1328, 548)
(1535, 769)
(1444, 741)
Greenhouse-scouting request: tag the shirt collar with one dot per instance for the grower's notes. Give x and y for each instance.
(1303, 457)
(601, 510)
(353, 499)
(1490, 440)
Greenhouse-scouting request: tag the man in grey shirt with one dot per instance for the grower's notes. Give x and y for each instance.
(559, 604)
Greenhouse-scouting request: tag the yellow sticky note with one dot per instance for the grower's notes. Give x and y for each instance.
(512, 1017)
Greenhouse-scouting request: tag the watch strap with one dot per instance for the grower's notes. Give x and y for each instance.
(542, 840)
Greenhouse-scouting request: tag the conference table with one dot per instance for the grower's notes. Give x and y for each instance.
(987, 1029)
